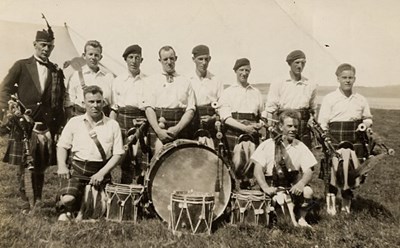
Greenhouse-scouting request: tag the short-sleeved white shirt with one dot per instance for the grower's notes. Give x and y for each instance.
(237, 98)
(207, 89)
(159, 93)
(75, 136)
(128, 90)
(302, 158)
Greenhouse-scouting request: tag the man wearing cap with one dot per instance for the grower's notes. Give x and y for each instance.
(39, 85)
(207, 89)
(296, 92)
(169, 102)
(89, 74)
(341, 112)
(240, 106)
(127, 108)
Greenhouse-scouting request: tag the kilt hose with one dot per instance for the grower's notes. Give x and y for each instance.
(81, 171)
(172, 117)
(304, 132)
(131, 164)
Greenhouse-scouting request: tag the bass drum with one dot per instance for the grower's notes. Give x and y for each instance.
(186, 165)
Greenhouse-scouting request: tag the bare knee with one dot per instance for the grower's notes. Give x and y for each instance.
(308, 192)
(67, 200)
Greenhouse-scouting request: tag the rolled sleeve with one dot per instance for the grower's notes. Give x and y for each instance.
(117, 144)
(65, 140)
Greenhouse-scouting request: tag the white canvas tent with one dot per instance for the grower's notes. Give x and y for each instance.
(17, 43)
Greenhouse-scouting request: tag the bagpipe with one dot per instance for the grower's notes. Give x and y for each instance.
(18, 119)
(335, 163)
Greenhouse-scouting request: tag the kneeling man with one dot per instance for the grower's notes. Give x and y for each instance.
(96, 144)
(285, 164)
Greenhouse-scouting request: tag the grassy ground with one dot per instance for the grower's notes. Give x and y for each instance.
(375, 220)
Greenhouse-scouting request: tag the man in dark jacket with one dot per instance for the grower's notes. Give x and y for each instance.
(39, 87)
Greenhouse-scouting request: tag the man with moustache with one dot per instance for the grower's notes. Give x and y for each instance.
(90, 74)
(39, 85)
(207, 89)
(240, 106)
(341, 112)
(169, 102)
(285, 161)
(96, 144)
(127, 108)
(296, 92)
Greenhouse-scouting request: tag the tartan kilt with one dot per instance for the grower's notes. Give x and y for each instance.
(15, 148)
(199, 121)
(346, 131)
(232, 135)
(127, 116)
(76, 186)
(172, 117)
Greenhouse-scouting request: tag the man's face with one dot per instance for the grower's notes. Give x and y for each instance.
(167, 60)
(297, 66)
(346, 80)
(202, 62)
(94, 104)
(92, 56)
(43, 49)
(242, 74)
(289, 128)
(133, 61)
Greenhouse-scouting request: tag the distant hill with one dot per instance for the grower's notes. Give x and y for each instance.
(392, 91)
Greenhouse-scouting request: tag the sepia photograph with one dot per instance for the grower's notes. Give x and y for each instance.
(229, 123)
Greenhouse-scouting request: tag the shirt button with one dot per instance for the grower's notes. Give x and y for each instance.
(39, 103)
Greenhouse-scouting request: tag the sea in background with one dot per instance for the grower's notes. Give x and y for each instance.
(385, 97)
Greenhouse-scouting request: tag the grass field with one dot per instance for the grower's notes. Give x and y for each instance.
(374, 222)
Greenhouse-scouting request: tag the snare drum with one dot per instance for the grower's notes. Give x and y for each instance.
(250, 207)
(186, 165)
(191, 212)
(122, 201)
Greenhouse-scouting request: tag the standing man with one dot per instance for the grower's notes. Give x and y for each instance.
(96, 144)
(340, 114)
(286, 162)
(170, 101)
(207, 89)
(127, 109)
(39, 85)
(296, 92)
(90, 74)
(240, 106)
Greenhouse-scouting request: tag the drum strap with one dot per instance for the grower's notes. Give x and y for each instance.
(93, 135)
(282, 163)
(81, 80)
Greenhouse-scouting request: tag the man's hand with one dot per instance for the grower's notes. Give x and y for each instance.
(96, 179)
(298, 188)
(63, 172)
(164, 136)
(250, 130)
(270, 191)
(173, 131)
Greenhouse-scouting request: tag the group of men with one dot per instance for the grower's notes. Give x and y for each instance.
(102, 110)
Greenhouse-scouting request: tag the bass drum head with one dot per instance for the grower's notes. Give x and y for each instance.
(186, 165)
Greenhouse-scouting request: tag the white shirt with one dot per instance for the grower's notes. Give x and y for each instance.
(128, 90)
(42, 72)
(101, 78)
(291, 94)
(301, 157)
(75, 136)
(207, 89)
(237, 98)
(161, 94)
(337, 107)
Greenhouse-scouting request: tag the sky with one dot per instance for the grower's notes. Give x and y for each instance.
(364, 33)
